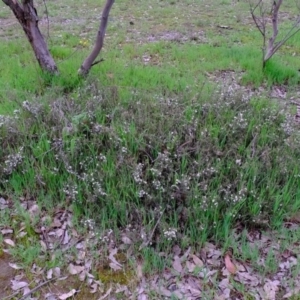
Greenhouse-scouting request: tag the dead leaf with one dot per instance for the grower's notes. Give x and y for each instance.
(270, 288)
(229, 265)
(80, 245)
(25, 291)
(34, 211)
(73, 270)
(16, 285)
(59, 232)
(177, 264)
(139, 271)
(67, 295)
(121, 289)
(50, 296)
(49, 274)
(185, 255)
(126, 240)
(81, 255)
(19, 277)
(142, 297)
(94, 288)
(9, 242)
(292, 293)
(106, 294)
(21, 234)
(163, 291)
(114, 266)
(198, 262)
(56, 272)
(190, 266)
(66, 238)
(247, 279)
(56, 223)
(82, 276)
(195, 292)
(43, 245)
(6, 231)
(15, 266)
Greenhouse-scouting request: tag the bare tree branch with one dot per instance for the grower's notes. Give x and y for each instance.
(275, 9)
(261, 22)
(87, 64)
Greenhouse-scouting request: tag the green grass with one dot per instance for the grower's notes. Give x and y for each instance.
(208, 161)
(149, 132)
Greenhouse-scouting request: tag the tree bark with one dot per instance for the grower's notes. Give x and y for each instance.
(27, 17)
(89, 61)
(271, 47)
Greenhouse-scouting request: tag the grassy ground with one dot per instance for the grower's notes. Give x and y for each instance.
(175, 139)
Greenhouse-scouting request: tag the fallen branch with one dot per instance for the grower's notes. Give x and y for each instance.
(30, 292)
(36, 288)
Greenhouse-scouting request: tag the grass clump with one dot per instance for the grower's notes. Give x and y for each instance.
(198, 163)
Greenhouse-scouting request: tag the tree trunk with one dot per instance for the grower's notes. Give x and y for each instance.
(89, 61)
(27, 17)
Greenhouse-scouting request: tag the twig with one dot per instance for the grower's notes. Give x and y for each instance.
(37, 288)
(30, 292)
(47, 16)
(145, 244)
(98, 61)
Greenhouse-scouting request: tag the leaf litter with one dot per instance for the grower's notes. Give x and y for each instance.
(207, 273)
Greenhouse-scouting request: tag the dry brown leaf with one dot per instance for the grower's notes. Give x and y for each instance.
(247, 279)
(121, 289)
(43, 245)
(177, 264)
(56, 272)
(6, 231)
(59, 232)
(106, 294)
(292, 293)
(67, 295)
(34, 211)
(163, 291)
(190, 266)
(73, 270)
(88, 264)
(16, 285)
(56, 223)
(142, 297)
(186, 254)
(9, 242)
(139, 271)
(50, 296)
(21, 234)
(94, 288)
(19, 277)
(198, 262)
(66, 238)
(229, 265)
(126, 240)
(49, 274)
(114, 266)
(15, 266)
(195, 292)
(81, 255)
(80, 245)
(82, 276)
(270, 288)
